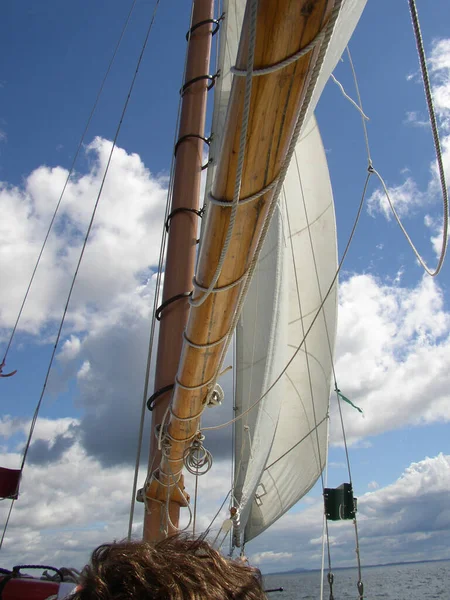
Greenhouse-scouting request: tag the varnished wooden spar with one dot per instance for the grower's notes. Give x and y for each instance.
(283, 28)
(182, 240)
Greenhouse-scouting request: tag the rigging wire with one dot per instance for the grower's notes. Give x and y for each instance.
(208, 529)
(325, 524)
(194, 519)
(338, 397)
(5, 527)
(162, 252)
(69, 175)
(88, 231)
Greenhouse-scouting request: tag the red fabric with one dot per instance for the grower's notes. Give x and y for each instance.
(9, 482)
(29, 589)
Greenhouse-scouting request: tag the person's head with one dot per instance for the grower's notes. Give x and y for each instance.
(177, 568)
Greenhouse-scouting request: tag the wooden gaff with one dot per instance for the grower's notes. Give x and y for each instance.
(283, 28)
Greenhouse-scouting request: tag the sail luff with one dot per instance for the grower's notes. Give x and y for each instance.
(182, 244)
(282, 29)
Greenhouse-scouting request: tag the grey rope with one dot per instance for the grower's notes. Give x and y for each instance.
(176, 484)
(197, 459)
(359, 105)
(241, 156)
(306, 436)
(371, 170)
(215, 290)
(287, 61)
(434, 128)
(187, 419)
(207, 345)
(255, 196)
(438, 151)
(72, 167)
(194, 387)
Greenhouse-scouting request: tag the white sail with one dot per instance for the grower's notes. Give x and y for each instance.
(281, 443)
(230, 32)
(268, 481)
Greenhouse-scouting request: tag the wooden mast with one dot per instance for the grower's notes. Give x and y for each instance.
(181, 247)
(283, 28)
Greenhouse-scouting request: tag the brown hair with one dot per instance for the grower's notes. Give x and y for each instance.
(177, 568)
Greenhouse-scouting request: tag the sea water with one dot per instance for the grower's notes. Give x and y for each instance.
(418, 581)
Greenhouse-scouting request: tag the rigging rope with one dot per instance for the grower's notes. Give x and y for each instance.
(241, 156)
(217, 513)
(437, 144)
(88, 231)
(69, 175)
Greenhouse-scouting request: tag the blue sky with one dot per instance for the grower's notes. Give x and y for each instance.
(394, 325)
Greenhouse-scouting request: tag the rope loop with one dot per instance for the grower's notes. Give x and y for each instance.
(242, 201)
(287, 61)
(196, 458)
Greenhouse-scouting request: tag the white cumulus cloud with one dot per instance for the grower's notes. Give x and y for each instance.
(391, 357)
(408, 195)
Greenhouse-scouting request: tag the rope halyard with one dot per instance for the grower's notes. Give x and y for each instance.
(241, 156)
